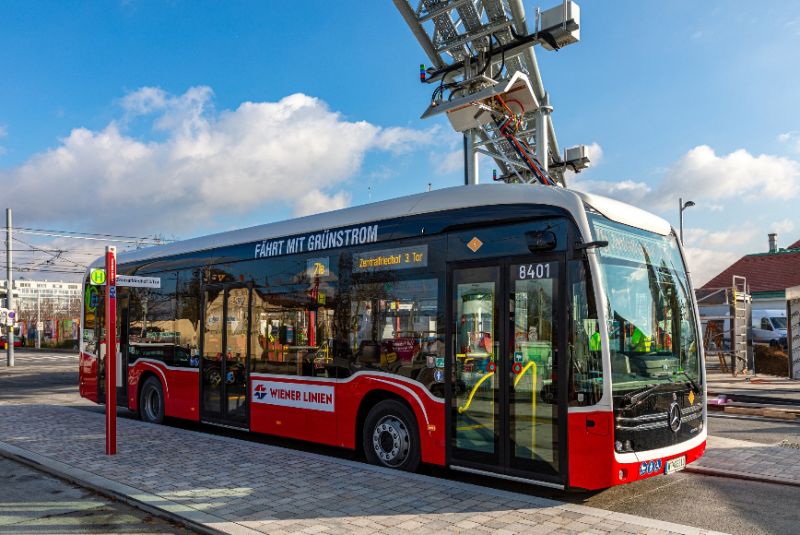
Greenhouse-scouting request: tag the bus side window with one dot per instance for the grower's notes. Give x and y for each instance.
(151, 320)
(291, 332)
(394, 327)
(586, 364)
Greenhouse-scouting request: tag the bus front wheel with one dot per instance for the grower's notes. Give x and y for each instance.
(391, 437)
(152, 401)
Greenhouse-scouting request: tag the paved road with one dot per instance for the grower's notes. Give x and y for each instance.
(40, 376)
(32, 502)
(722, 504)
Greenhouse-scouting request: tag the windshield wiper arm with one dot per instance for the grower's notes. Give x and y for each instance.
(636, 397)
(691, 381)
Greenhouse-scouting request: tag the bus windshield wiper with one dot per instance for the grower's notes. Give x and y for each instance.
(691, 381)
(636, 397)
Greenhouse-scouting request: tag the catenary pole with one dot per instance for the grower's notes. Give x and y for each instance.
(9, 290)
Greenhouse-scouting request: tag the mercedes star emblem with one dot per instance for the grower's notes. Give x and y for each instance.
(674, 417)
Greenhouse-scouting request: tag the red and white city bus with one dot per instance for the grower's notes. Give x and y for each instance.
(521, 331)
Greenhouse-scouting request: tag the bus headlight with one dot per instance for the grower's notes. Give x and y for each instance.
(623, 447)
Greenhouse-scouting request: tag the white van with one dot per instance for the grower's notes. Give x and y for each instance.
(769, 326)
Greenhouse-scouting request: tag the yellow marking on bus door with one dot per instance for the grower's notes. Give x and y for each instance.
(530, 366)
(463, 409)
(470, 427)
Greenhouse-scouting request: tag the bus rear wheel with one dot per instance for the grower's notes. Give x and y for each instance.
(152, 401)
(390, 436)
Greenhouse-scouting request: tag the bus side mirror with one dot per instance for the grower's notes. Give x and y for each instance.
(540, 240)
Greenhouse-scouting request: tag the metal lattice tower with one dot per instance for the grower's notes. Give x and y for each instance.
(482, 51)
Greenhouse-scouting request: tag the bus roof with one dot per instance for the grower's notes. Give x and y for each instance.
(421, 203)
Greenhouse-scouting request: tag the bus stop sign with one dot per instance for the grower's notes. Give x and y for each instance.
(97, 276)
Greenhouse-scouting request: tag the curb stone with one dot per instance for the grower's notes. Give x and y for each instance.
(731, 474)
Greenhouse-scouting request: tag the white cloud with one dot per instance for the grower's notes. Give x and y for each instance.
(144, 101)
(702, 174)
(710, 252)
(700, 237)
(261, 156)
(705, 177)
(739, 184)
(628, 191)
(3, 131)
(792, 139)
(783, 226)
(400, 140)
(316, 202)
(705, 264)
(448, 163)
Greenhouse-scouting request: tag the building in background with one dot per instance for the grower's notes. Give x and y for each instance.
(47, 311)
(768, 274)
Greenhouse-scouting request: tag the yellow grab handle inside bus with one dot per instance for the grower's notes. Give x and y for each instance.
(530, 366)
(461, 410)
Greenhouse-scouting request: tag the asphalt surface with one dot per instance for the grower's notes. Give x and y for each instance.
(723, 504)
(32, 502)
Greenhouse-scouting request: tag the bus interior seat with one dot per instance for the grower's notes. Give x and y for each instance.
(369, 353)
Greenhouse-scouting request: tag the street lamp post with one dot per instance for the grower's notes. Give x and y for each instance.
(681, 207)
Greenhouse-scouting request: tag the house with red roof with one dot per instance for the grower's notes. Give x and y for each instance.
(768, 274)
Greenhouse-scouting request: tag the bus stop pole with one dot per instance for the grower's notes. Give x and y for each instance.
(111, 350)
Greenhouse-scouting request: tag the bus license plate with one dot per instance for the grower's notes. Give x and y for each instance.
(675, 465)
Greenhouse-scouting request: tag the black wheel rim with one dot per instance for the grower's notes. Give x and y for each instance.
(391, 441)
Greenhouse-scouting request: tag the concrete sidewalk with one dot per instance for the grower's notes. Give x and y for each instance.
(727, 457)
(219, 484)
(781, 389)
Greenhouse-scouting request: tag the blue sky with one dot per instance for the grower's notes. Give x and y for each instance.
(144, 102)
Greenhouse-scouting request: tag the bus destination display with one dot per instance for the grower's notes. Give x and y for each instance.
(391, 259)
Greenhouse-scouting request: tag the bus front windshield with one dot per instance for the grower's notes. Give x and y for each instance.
(650, 314)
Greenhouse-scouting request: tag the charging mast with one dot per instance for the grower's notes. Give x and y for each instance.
(111, 350)
(486, 81)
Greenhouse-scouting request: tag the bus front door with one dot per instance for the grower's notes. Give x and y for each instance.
(224, 366)
(504, 394)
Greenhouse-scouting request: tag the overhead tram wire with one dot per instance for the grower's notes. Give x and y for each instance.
(59, 258)
(47, 266)
(89, 235)
(54, 255)
(44, 270)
